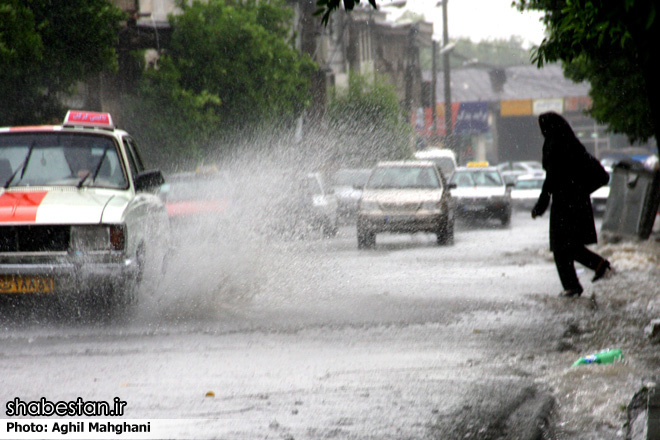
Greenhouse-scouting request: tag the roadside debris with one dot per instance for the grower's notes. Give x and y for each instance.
(602, 357)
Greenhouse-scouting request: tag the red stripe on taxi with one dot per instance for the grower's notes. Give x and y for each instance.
(20, 206)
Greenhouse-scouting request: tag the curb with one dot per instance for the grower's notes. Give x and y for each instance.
(532, 419)
(643, 421)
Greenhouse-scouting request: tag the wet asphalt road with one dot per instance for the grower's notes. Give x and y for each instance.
(314, 339)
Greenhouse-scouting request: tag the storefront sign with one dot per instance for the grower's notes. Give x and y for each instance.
(548, 105)
(516, 107)
(472, 118)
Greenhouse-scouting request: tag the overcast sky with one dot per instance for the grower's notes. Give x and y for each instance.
(480, 19)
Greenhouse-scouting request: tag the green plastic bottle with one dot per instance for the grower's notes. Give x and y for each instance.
(602, 357)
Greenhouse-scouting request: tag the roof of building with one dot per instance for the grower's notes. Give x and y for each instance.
(520, 82)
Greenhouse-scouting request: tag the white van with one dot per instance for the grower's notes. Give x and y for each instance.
(444, 159)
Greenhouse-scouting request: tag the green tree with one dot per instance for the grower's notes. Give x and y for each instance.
(368, 124)
(243, 53)
(46, 49)
(172, 123)
(231, 67)
(612, 45)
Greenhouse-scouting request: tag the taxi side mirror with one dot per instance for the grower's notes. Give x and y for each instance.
(452, 186)
(149, 180)
(510, 184)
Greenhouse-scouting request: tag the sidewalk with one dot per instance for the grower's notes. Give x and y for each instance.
(593, 400)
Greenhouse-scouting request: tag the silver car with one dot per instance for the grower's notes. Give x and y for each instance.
(600, 196)
(405, 197)
(526, 191)
(510, 171)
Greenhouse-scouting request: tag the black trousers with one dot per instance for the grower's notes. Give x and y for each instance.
(564, 260)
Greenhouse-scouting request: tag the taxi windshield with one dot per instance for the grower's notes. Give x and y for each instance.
(477, 178)
(60, 159)
(403, 177)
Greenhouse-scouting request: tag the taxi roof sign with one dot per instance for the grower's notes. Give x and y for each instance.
(477, 164)
(82, 118)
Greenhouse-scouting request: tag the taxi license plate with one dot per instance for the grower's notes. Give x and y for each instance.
(26, 284)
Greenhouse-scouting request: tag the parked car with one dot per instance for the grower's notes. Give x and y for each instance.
(311, 206)
(444, 158)
(526, 191)
(190, 194)
(79, 214)
(600, 196)
(481, 192)
(510, 171)
(347, 184)
(405, 197)
(198, 201)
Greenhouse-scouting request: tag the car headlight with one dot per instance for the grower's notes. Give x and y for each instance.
(98, 237)
(369, 205)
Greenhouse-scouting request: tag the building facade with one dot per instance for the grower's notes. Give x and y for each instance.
(495, 112)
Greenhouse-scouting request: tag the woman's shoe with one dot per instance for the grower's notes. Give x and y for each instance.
(570, 293)
(601, 270)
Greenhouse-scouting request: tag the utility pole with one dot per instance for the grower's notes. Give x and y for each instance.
(434, 82)
(447, 82)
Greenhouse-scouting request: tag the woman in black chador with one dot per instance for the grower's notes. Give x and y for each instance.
(572, 174)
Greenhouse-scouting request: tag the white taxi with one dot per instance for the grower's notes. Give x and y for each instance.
(79, 214)
(480, 191)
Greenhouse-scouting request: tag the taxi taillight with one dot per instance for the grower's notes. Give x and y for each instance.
(117, 237)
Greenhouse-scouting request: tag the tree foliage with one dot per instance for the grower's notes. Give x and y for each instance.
(45, 49)
(618, 91)
(370, 123)
(172, 122)
(231, 67)
(611, 45)
(243, 54)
